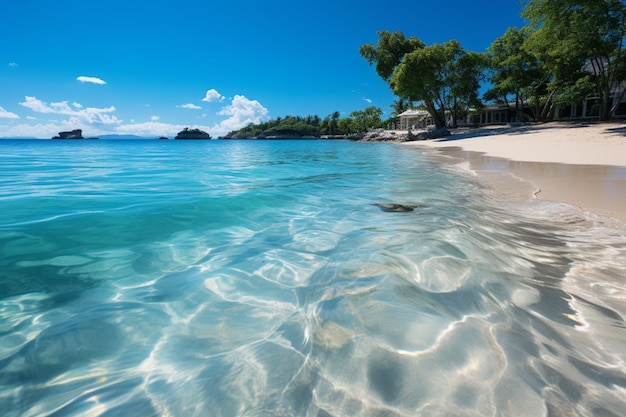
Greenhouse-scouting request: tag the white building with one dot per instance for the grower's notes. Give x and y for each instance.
(421, 119)
(415, 119)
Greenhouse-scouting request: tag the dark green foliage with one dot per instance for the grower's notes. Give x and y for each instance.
(400, 106)
(571, 48)
(516, 71)
(192, 131)
(443, 77)
(580, 46)
(362, 120)
(312, 126)
(389, 51)
(295, 126)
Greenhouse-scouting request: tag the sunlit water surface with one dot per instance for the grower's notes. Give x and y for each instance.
(256, 278)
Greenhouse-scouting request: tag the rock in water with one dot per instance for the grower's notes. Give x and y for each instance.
(73, 134)
(392, 207)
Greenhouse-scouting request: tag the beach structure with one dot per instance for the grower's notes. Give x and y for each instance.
(589, 107)
(504, 113)
(421, 119)
(415, 119)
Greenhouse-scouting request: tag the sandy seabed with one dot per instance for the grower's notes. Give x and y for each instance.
(583, 164)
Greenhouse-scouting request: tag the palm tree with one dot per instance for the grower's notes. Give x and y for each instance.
(400, 106)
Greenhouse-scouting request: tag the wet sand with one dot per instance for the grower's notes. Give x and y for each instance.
(580, 164)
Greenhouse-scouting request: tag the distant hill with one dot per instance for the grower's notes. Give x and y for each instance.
(105, 137)
(18, 137)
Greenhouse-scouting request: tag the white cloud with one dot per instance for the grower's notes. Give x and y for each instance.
(93, 80)
(52, 128)
(152, 128)
(368, 100)
(5, 114)
(39, 130)
(242, 112)
(13, 64)
(39, 106)
(189, 106)
(99, 121)
(88, 115)
(212, 96)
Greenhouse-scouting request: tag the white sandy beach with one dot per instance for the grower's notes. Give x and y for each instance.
(580, 164)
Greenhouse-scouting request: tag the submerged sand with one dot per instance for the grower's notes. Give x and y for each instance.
(580, 164)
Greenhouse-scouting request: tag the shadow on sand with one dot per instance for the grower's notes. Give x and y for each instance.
(617, 130)
(468, 133)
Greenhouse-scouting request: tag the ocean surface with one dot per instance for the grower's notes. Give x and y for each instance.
(257, 278)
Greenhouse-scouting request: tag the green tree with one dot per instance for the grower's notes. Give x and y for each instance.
(425, 75)
(580, 42)
(399, 106)
(389, 51)
(466, 74)
(362, 120)
(514, 70)
(408, 66)
(440, 76)
(332, 124)
(346, 125)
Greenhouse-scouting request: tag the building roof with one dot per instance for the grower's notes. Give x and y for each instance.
(413, 113)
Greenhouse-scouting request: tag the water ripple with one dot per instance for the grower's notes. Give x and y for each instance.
(257, 279)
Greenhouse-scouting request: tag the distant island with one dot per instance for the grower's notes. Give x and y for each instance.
(187, 133)
(72, 134)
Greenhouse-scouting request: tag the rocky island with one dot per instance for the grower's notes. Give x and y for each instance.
(72, 134)
(187, 133)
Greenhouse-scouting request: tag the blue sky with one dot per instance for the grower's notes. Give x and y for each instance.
(150, 68)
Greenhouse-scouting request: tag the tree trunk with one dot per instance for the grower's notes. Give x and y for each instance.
(605, 105)
(439, 121)
(618, 100)
(455, 114)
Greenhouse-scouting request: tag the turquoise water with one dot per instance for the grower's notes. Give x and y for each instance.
(256, 278)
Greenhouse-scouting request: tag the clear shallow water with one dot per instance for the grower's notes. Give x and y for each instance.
(234, 278)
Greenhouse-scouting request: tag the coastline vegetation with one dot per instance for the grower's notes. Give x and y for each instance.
(313, 126)
(570, 50)
(192, 131)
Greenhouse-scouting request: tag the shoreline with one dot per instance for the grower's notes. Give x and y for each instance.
(581, 164)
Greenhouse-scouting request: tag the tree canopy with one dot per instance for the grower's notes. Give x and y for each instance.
(569, 50)
(389, 51)
(514, 70)
(580, 44)
(313, 126)
(441, 76)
